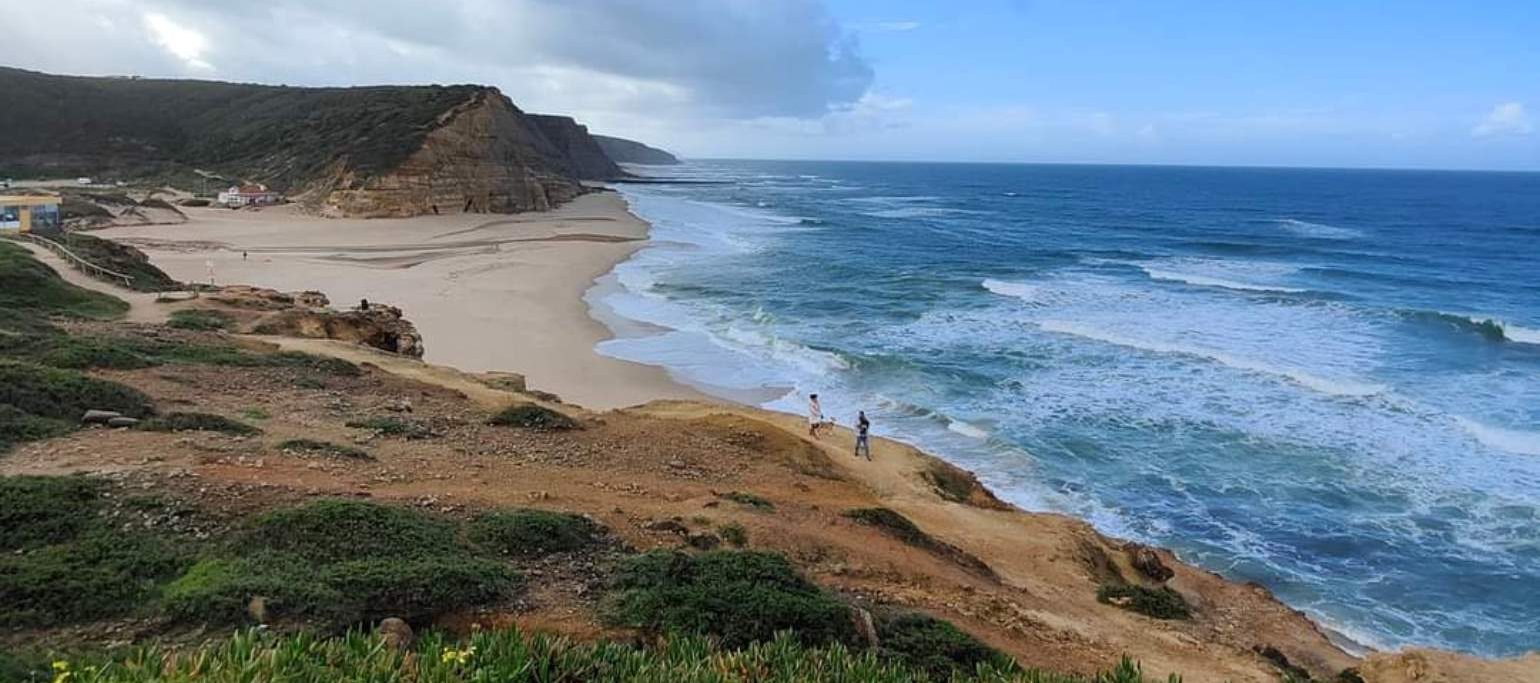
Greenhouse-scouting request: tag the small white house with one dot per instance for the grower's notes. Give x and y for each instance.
(248, 195)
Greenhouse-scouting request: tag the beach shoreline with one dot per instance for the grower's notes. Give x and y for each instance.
(487, 292)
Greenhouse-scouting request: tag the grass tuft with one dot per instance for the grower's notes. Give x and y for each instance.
(323, 448)
(200, 319)
(394, 426)
(531, 416)
(199, 422)
(748, 500)
(734, 534)
(1157, 603)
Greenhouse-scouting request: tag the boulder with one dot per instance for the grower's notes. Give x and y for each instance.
(1148, 563)
(99, 416)
(396, 634)
(122, 422)
(671, 526)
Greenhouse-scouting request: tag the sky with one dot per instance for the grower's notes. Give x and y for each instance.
(1351, 83)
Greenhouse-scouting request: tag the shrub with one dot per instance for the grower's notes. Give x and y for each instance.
(1157, 603)
(338, 563)
(38, 511)
(531, 532)
(735, 534)
(199, 422)
(394, 426)
(899, 527)
(531, 416)
(65, 394)
(935, 646)
(741, 597)
(748, 500)
(62, 562)
(198, 319)
(18, 427)
(325, 448)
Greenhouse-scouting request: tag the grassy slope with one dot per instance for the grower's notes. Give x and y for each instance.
(282, 135)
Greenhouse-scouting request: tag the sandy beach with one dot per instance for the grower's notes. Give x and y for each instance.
(487, 291)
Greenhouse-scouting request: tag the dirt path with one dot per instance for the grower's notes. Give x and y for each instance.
(141, 305)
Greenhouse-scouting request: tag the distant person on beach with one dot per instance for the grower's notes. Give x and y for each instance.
(863, 441)
(243, 256)
(363, 304)
(814, 415)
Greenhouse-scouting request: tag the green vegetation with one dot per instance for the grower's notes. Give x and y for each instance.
(734, 534)
(28, 286)
(63, 562)
(17, 426)
(284, 136)
(531, 416)
(747, 500)
(394, 426)
(950, 482)
(323, 448)
(935, 646)
(528, 533)
(899, 527)
(256, 414)
(121, 258)
(737, 596)
(1157, 603)
(38, 402)
(337, 563)
(512, 656)
(198, 422)
(196, 319)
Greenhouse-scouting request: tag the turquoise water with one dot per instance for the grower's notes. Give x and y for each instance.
(1324, 381)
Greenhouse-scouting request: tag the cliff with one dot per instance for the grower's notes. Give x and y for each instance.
(368, 151)
(632, 152)
(585, 158)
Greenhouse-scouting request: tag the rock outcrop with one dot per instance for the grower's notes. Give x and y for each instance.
(258, 310)
(484, 156)
(380, 327)
(623, 151)
(584, 156)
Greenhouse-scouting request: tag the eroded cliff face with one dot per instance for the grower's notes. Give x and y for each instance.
(584, 157)
(485, 156)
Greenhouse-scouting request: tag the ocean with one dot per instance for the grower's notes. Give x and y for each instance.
(1324, 381)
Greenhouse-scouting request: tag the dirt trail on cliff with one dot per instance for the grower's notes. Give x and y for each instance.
(141, 305)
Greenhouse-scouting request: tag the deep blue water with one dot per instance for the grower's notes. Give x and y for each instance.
(1284, 375)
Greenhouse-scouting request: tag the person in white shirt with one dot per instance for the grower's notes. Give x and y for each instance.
(814, 415)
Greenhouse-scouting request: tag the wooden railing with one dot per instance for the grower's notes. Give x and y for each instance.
(75, 260)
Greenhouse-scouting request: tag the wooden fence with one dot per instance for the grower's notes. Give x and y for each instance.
(76, 261)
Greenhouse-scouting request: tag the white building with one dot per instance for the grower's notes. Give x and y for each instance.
(248, 195)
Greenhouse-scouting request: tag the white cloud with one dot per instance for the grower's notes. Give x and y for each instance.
(682, 60)
(182, 42)
(1508, 118)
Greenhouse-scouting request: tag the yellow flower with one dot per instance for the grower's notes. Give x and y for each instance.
(453, 656)
(61, 671)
